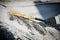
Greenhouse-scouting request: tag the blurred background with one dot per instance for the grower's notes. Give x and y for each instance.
(42, 9)
(37, 8)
